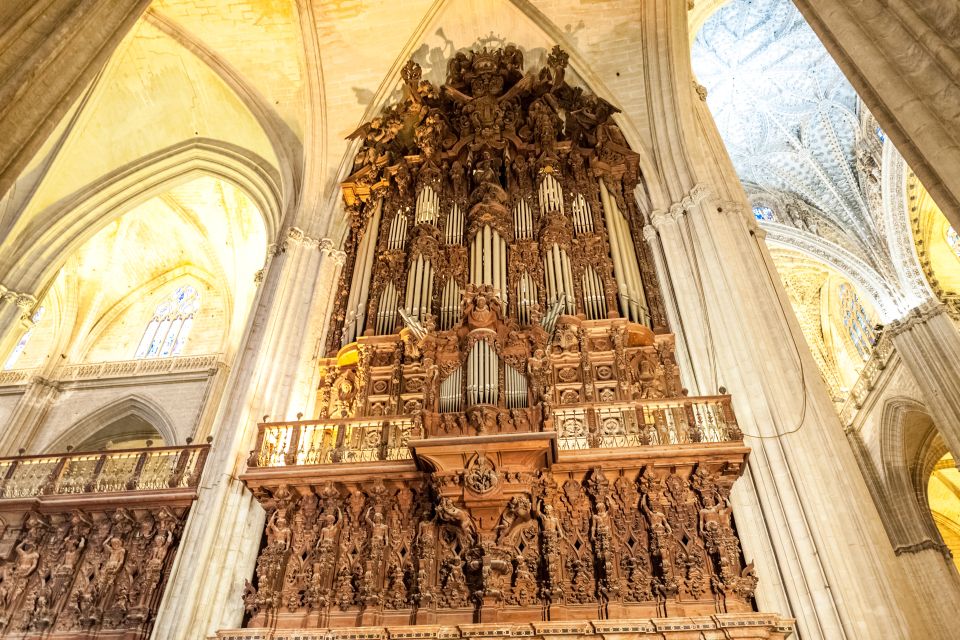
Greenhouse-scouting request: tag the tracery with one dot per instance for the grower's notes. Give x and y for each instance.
(167, 332)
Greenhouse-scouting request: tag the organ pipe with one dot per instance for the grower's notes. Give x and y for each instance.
(515, 388)
(626, 269)
(582, 218)
(428, 206)
(594, 301)
(454, 229)
(387, 310)
(450, 392)
(449, 304)
(523, 221)
(526, 297)
(551, 195)
(559, 278)
(398, 232)
(488, 261)
(483, 366)
(360, 287)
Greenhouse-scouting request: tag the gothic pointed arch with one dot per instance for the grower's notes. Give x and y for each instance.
(67, 224)
(87, 430)
(519, 22)
(888, 302)
(906, 433)
(158, 286)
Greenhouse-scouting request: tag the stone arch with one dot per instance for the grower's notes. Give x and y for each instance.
(117, 310)
(133, 405)
(66, 225)
(906, 435)
(888, 303)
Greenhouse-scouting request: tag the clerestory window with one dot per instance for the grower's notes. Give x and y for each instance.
(167, 332)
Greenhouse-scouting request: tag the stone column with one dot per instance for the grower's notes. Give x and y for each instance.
(928, 341)
(52, 49)
(803, 510)
(914, 537)
(223, 533)
(21, 427)
(903, 58)
(15, 311)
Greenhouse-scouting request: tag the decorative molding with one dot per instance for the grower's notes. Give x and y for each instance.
(295, 236)
(886, 301)
(764, 625)
(896, 223)
(923, 313)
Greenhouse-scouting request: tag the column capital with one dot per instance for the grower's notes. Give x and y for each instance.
(919, 314)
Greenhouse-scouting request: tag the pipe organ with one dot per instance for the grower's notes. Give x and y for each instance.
(496, 359)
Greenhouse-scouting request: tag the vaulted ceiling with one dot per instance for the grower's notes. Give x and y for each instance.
(785, 111)
(804, 145)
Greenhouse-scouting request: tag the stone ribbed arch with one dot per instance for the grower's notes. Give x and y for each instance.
(285, 143)
(106, 320)
(62, 228)
(906, 432)
(88, 426)
(887, 302)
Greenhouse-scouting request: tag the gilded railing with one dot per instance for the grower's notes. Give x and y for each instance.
(308, 442)
(646, 423)
(102, 471)
(581, 426)
(879, 358)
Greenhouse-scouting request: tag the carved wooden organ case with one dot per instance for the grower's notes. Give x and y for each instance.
(501, 431)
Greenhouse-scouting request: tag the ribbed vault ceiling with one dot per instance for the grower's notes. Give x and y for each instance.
(785, 111)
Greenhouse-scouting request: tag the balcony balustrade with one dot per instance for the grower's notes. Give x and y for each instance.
(102, 472)
(583, 426)
(87, 539)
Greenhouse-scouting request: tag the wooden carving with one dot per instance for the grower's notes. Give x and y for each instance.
(88, 573)
(483, 451)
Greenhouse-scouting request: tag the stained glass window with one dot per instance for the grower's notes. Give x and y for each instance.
(167, 332)
(858, 323)
(764, 213)
(24, 339)
(953, 239)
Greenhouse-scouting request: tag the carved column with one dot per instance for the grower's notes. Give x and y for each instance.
(902, 58)
(52, 50)
(224, 530)
(820, 542)
(928, 342)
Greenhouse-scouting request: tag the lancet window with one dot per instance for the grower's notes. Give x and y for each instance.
(953, 239)
(857, 321)
(169, 328)
(22, 342)
(763, 213)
